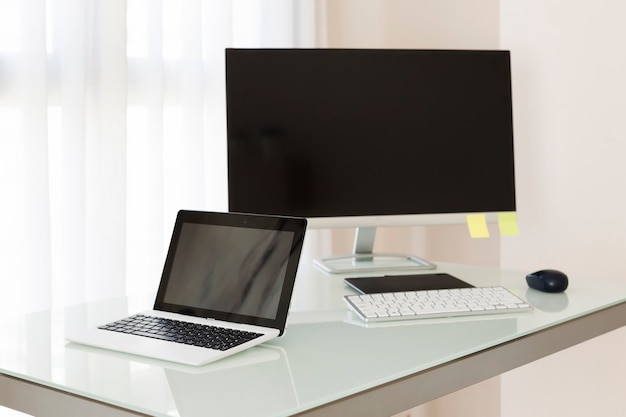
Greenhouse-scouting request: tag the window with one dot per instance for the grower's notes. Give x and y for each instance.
(111, 119)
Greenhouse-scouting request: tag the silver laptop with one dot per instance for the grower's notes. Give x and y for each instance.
(226, 286)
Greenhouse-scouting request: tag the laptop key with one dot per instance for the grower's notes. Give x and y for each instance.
(153, 335)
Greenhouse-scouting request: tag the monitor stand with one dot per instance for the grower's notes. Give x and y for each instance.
(363, 259)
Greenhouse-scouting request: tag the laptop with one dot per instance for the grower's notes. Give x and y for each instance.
(226, 286)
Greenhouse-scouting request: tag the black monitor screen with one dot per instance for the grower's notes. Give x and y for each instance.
(359, 132)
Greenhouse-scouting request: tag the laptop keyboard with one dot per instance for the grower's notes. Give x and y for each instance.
(178, 331)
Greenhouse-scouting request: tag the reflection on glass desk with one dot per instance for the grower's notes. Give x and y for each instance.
(328, 363)
(214, 389)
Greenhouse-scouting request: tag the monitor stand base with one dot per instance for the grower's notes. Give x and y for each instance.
(365, 260)
(372, 263)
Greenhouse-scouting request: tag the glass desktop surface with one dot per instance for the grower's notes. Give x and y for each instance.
(326, 353)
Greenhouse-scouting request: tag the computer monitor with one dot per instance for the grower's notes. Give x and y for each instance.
(369, 137)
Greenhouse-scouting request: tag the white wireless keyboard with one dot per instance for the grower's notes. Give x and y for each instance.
(435, 303)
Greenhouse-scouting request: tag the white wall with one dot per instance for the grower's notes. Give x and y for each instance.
(569, 86)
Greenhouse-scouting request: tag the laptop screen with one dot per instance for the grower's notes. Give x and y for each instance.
(230, 269)
(238, 268)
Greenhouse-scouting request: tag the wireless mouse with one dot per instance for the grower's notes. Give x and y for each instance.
(548, 280)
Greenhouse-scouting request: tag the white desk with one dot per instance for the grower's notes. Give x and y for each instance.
(327, 364)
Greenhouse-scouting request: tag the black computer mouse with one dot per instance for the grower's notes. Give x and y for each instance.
(548, 280)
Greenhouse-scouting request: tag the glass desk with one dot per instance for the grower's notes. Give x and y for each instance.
(328, 363)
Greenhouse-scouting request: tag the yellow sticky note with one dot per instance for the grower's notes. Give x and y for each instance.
(508, 224)
(477, 224)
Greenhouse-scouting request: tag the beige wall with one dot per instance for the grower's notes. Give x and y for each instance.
(412, 23)
(569, 61)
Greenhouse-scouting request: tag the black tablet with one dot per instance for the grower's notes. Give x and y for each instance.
(397, 283)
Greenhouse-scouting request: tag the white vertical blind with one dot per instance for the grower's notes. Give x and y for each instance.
(112, 118)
